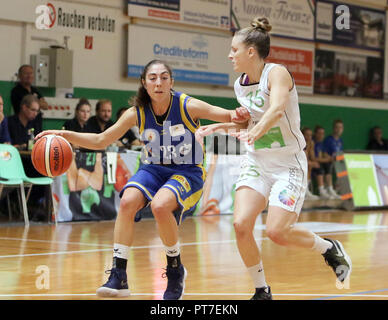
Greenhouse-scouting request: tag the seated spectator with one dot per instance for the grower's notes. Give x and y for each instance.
(376, 141)
(81, 117)
(311, 161)
(325, 164)
(19, 127)
(102, 120)
(332, 145)
(24, 87)
(20, 124)
(4, 138)
(129, 138)
(4, 133)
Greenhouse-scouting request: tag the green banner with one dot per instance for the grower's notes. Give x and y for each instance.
(363, 182)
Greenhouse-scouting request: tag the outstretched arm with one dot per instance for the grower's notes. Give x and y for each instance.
(97, 141)
(227, 128)
(199, 109)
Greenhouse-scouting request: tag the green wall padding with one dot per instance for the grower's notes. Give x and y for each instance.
(357, 122)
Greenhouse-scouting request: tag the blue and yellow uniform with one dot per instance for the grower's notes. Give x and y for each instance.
(171, 157)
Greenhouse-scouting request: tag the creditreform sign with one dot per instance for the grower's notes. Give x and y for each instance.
(205, 13)
(194, 57)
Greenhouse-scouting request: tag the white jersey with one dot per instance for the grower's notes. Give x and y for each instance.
(285, 136)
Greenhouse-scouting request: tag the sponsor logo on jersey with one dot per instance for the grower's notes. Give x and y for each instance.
(177, 130)
(286, 199)
(183, 181)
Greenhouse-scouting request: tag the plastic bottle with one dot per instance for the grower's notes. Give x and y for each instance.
(31, 139)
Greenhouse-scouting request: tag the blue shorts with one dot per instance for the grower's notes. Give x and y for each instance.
(185, 181)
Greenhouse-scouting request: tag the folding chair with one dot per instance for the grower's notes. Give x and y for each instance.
(14, 183)
(11, 168)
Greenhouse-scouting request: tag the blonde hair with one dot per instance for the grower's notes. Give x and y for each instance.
(261, 24)
(257, 35)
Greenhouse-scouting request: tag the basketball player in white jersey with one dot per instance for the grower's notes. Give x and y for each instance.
(274, 170)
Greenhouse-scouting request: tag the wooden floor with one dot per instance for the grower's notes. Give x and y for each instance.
(70, 259)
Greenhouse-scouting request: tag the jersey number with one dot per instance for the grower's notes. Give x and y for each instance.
(254, 98)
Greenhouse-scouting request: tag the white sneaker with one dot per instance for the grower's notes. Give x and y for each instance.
(324, 195)
(310, 196)
(333, 194)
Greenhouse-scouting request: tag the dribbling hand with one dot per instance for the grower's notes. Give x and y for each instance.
(47, 132)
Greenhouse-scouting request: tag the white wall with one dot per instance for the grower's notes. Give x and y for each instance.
(11, 34)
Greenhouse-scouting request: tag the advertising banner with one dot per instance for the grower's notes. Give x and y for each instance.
(299, 62)
(62, 16)
(363, 180)
(350, 25)
(218, 192)
(289, 18)
(348, 75)
(204, 13)
(76, 18)
(193, 57)
(87, 192)
(386, 65)
(381, 169)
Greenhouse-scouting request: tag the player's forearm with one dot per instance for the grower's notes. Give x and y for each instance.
(269, 119)
(92, 141)
(229, 126)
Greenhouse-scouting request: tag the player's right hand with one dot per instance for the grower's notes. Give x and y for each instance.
(47, 132)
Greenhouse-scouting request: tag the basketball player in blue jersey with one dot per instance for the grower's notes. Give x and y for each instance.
(171, 176)
(274, 170)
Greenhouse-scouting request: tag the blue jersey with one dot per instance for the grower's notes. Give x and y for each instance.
(173, 141)
(332, 145)
(171, 158)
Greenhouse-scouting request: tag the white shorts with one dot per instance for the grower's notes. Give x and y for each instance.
(281, 179)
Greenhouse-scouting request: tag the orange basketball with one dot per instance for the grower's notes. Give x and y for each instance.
(52, 155)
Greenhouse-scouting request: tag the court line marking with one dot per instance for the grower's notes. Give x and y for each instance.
(359, 294)
(59, 242)
(381, 228)
(322, 295)
(154, 246)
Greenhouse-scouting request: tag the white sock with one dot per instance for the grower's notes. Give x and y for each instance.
(257, 275)
(321, 245)
(321, 188)
(173, 251)
(120, 251)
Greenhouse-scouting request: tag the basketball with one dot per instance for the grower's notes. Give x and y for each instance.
(52, 155)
